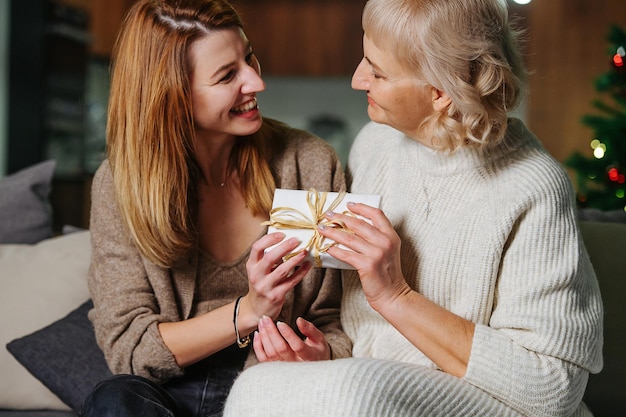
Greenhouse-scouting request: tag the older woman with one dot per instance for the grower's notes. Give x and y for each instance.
(473, 294)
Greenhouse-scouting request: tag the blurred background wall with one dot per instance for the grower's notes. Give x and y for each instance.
(308, 50)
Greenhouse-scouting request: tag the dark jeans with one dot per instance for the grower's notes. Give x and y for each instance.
(201, 392)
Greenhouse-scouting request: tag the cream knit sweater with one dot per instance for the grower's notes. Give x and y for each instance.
(493, 238)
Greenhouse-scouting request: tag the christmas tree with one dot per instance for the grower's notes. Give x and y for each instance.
(600, 176)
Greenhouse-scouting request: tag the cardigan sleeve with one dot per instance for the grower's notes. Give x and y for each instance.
(126, 310)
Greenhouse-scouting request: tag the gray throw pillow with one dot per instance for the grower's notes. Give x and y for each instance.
(25, 212)
(64, 356)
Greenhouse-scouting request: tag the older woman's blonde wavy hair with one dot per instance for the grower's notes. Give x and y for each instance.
(150, 128)
(466, 48)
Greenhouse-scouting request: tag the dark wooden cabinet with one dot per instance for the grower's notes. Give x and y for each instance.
(70, 199)
(317, 38)
(107, 18)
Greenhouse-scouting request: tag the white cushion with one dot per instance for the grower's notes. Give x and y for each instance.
(39, 284)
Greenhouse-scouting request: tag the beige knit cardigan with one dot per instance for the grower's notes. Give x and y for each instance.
(132, 295)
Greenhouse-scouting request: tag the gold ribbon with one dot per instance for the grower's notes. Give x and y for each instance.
(290, 218)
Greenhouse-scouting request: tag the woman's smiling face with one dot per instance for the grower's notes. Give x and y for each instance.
(224, 80)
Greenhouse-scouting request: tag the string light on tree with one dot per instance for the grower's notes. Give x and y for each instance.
(599, 148)
(600, 177)
(618, 58)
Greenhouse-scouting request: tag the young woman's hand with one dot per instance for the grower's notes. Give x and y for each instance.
(279, 342)
(269, 278)
(375, 252)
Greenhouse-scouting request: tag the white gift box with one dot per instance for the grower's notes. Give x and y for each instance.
(298, 213)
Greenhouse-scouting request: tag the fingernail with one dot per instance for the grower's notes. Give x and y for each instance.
(321, 226)
(294, 241)
(329, 213)
(350, 203)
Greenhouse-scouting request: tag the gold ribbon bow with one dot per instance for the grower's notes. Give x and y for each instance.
(290, 218)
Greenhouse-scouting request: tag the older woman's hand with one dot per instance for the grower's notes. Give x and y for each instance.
(375, 252)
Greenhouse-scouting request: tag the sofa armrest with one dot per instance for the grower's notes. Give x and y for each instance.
(606, 245)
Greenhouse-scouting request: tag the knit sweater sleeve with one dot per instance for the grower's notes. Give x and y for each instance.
(126, 309)
(545, 332)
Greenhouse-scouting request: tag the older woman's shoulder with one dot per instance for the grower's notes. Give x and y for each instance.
(378, 128)
(374, 133)
(372, 140)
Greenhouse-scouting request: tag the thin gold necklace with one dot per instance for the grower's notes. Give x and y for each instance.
(221, 183)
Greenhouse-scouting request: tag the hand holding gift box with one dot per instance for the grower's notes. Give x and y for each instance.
(298, 213)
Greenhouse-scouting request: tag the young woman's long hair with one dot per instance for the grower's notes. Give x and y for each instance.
(150, 128)
(467, 48)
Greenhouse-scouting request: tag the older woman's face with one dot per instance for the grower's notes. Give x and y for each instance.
(395, 98)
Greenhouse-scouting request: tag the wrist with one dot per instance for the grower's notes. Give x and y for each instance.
(396, 303)
(247, 320)
(241, 322)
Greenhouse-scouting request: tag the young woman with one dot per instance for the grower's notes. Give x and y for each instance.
(473, 294)
(179, 275)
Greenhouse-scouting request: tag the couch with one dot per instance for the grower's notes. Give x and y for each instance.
(51, 360)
